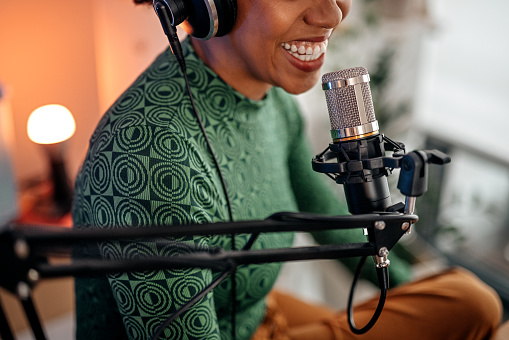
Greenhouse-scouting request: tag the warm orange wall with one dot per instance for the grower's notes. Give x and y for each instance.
(127, 39)
(47, 56)
(81, 54)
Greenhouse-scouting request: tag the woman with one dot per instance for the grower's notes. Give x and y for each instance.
(149, 164)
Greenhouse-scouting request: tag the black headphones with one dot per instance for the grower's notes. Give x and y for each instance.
(203, 19)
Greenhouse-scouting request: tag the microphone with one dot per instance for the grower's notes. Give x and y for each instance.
(356, 140)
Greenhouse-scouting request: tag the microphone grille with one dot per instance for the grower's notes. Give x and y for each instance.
(342, 102)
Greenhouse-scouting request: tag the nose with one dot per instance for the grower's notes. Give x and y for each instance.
(326, 13)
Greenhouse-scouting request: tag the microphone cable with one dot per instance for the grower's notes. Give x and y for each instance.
(381, 271)
(383, 283)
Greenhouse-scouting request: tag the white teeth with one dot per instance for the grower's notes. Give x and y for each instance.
(306, 51)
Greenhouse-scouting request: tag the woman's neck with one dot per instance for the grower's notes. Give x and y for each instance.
(217, 54)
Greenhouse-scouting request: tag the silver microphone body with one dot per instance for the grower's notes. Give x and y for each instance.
(350, 105)
(356, 137)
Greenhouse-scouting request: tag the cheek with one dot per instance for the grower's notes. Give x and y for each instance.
(345, 6)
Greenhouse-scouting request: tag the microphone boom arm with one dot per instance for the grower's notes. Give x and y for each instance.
(25, 251)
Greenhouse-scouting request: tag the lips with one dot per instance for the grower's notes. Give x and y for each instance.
(307, 55)
(305, 50)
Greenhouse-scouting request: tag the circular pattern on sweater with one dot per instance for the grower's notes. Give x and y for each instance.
(134, 139)
(187, 288)
(230, 144)
(100, 129)
(134, 327)
(170, 182)
(128, 101)
(136, 250)
(173, 214)
(170, 250)
(102, 142)
(219, 101)
(199, 321)
(128, 119)
(200, 192)
(169, 146)
(132, 213)
(262, 279)
(110, 250)
(187, 123)
(241, 280)
(123, 296)
(129, 175)
(159, 116)
(85, 214)
(100, 173)
(104, 215)
(203, 216)
(152, 298)
(165, 92)
(172, 331)
(198, 77)
(162, 70)
(246, 328)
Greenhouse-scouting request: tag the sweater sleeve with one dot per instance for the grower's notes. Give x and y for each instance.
(314, 193)
(144, 176)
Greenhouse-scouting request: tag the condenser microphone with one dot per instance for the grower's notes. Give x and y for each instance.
(356, 138)
(351, 111)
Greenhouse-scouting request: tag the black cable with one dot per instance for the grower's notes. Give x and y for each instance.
(209, 146)
(251, 241)
(177, 52)
(382, 274)
(383, 282)
(225, 190)
(191, 302)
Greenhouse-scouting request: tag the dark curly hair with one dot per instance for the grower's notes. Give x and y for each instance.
(143, 2)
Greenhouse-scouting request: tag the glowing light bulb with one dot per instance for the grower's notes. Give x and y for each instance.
(50, 124)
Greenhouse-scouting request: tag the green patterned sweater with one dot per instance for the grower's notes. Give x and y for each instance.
(148, 164)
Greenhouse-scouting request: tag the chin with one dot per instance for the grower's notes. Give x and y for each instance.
(301, 86)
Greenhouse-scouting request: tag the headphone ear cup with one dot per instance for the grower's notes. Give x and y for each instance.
(227, 17)
(209, 18)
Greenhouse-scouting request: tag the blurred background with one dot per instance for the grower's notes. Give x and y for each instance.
(438, 76)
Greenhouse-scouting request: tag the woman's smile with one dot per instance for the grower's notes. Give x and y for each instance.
(306, 55)
(305, 50)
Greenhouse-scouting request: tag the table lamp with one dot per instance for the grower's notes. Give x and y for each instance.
(49, 126)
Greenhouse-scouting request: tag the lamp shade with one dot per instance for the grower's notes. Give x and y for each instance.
(50, 124)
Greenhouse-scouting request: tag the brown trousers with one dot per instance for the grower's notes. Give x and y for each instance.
(451, 305)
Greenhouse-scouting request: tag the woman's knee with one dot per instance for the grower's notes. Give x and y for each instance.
(478, 303)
